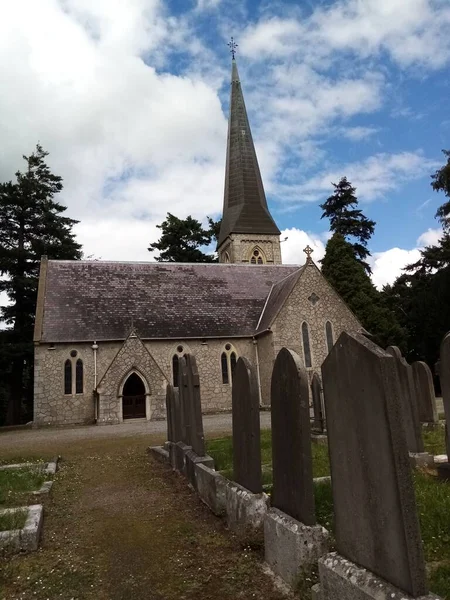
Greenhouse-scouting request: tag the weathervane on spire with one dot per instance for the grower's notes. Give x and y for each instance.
(233, 47)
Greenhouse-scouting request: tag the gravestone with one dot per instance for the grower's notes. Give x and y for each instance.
(426, 400)
(445, 386)
(246, 428)
(316, 392)
(197, 438)
(170, 416)
(293, 490)
(186, 423)
(410, 409)
(376, 523)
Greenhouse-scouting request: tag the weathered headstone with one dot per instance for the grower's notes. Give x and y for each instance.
(445, 387)
(376, 523)
(426, 400)
(197, 437)
(293, 489)
(316, 392)
(170, 416)
(246, 428)
(186, 424)
(410, 410)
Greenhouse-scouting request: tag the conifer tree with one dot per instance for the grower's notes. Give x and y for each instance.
(181, 240)
(349, 221)
(31, 225)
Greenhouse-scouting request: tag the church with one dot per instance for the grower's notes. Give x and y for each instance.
(108, 334)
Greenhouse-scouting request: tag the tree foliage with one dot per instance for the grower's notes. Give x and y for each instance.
(31, 225)
(349, 278)
(421, 295)
(349, 221)
(182, 239)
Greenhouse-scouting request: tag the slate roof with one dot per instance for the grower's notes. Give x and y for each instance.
(244, 206)
(278, 295)
(97, 300)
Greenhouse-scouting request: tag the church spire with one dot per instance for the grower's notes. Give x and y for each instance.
(245, 208)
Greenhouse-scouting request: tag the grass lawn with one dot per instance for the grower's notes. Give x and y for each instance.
(432, 496)
(15, 520)
(15, 483)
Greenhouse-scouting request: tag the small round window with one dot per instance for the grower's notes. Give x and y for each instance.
(180, 349)
(228, 347)
(73, 353)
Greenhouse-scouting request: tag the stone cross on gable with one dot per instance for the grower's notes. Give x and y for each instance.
(308, 251)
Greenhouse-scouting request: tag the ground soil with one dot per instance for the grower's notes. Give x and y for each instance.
(120, 525)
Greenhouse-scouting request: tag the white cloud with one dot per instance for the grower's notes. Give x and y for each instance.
(357, 134)
(373, 177)
(292, 249)
(430, 237)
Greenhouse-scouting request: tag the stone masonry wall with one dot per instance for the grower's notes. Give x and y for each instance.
(240, 246)
(312, 300)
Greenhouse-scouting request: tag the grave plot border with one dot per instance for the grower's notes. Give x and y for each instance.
(27, 538)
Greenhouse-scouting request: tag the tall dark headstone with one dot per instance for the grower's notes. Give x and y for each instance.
(197, 436)
(376, 523)
(176, 416)
(316, 392)
(246, 428)
(411, 420)
(184, 396)
(426, 400)
(445, 387)
(293, 490)
(170, 415)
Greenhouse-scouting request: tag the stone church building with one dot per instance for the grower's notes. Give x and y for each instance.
(108, 334)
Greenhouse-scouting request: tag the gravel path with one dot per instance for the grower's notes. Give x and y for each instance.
(21, 437)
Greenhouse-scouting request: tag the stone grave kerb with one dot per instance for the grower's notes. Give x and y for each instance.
(376, 522)
(445, 386)
(293, 488)
(195, 403)
(246, 427)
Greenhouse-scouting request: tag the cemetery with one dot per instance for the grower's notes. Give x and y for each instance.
(374, 520)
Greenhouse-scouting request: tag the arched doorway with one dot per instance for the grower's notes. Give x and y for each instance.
(133, 398)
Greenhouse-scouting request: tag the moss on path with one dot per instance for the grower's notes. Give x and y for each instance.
(121, 526)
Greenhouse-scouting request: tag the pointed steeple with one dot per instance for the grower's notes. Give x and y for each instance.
(244, 206)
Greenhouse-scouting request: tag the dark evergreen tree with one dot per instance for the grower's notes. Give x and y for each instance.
(31, 225)
(347, 220)
(420, 295)
(182, 239)
(348, 277)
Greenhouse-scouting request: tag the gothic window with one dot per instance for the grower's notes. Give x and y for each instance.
(329, 335)
(224, 364)
(227, 257)
(257, 257)
(68, 377)
(79, 377)
(306, 345)
(228, 362)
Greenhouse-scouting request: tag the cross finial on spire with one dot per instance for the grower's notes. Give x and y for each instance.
(233, 47)
(308, 251)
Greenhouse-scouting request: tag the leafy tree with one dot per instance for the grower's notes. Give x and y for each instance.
(31, 225)
(349, 221)
(348, 277)
(181, 240)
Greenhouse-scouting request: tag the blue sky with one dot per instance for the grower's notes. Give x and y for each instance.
(131, 100)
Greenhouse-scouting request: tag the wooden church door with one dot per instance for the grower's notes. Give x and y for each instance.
(133, 399)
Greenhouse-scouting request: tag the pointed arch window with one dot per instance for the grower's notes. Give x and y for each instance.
(306, 344)
(329, 335)
(228, 360)
(79, 377)
(257, 257)
(68, 377)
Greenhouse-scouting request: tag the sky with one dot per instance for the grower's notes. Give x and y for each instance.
(131, 98)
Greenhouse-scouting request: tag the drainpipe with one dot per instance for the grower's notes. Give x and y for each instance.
(95, 348)
(258, 376)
